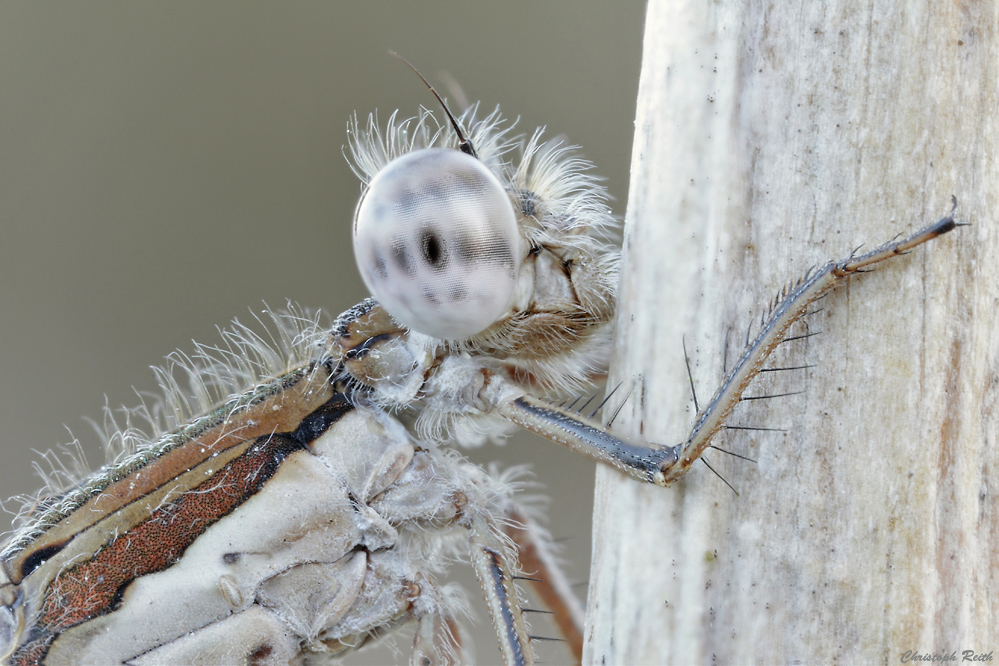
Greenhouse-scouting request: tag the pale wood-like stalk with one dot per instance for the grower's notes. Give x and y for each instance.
(771, 138)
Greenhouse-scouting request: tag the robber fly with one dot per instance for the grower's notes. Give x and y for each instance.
(302, 502)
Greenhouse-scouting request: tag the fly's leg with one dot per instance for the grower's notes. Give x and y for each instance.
(662, 465)
(547, 578)
(437, 639)
(494, 561)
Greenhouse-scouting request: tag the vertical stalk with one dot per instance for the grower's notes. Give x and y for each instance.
(769, 140)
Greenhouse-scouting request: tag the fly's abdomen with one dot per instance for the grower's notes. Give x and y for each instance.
(182, 540)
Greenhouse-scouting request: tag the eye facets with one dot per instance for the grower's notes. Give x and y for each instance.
(449, 228)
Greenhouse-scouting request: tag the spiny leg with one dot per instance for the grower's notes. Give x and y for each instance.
(534, 551)
(785, 313)
(494, 560)
(662, 465)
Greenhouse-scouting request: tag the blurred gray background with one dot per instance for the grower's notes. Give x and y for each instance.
(165, 167)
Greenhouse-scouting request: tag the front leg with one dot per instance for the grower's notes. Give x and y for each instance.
(661, 465)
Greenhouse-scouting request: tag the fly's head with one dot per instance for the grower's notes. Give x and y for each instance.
(503, 252)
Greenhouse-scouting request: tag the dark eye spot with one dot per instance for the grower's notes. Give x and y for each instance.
(407, 202)
(400, 255)
(457, 293)
(432, 248)
(496, 250)
(464, 249)
(380, 269)
(433, 191)
(429, 295)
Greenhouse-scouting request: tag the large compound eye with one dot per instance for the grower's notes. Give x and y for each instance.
(436, 241)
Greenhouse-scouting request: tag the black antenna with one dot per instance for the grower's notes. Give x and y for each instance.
(464, 144)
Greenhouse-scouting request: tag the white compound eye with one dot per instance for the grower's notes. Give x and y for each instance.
(436, 241)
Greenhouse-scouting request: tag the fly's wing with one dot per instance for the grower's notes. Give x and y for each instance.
(88, 558)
